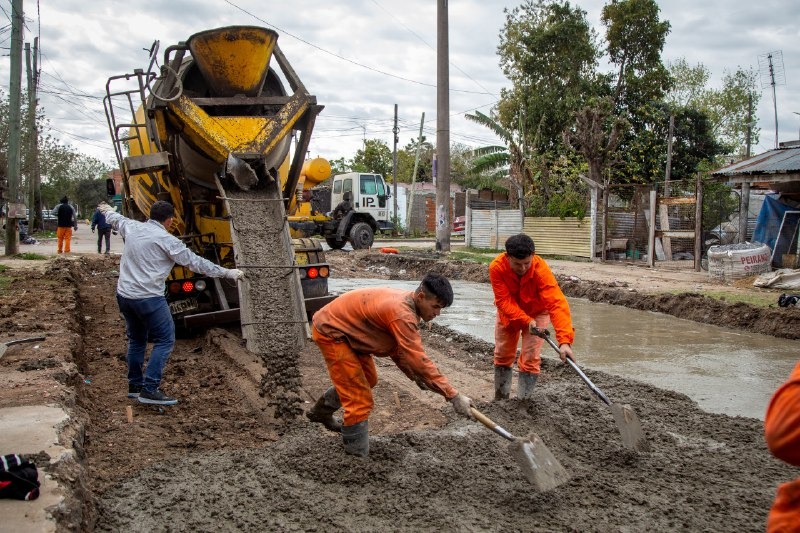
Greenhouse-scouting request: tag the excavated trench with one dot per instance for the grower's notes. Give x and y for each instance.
(222, 460)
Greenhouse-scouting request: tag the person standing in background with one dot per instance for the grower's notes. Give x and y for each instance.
(103, 230)
(527, 297)
(66, 224)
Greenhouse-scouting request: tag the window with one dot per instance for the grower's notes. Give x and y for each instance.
(368, 185)
(337, 187)
(348, 185)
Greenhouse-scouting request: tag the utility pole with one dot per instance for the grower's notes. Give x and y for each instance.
(414, 176)
(443, 223)
(34, 186)
(15, 213)
(395, 131)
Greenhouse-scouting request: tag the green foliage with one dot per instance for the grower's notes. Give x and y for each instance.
(374, 157)
(548, 50)
(635, 38)
(719, 202)
(406, 157)
(29, 256)
(726, 108)
(340, 166)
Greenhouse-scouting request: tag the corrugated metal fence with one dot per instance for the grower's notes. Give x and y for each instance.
(556, 236)
(489, 229)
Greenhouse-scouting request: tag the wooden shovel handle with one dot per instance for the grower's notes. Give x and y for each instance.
(486, 421)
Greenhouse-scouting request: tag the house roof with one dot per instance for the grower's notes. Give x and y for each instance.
(767, 170)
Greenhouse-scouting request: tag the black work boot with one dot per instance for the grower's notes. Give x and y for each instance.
(502, 382)
(323, 410)
(525, 384)
(356, 439)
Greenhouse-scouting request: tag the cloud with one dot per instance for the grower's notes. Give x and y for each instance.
(361, 57)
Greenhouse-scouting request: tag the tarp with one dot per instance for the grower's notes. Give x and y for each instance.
(785, 278)
(769, 220)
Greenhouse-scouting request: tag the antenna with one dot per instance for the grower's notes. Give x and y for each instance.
(770, 67)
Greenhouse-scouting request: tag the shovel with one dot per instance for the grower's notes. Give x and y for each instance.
(4, 345)
(627, 422)
(537, 463)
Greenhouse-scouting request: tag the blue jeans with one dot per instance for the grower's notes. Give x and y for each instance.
(145, 319)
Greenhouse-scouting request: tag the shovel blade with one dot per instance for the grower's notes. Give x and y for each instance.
(537, 463)
(3, 348)
(629, 427)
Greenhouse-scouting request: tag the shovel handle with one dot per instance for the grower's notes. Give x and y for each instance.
(486, 421)
(545, 334)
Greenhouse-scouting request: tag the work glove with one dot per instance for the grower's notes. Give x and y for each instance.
(461, 405)
(236, 274)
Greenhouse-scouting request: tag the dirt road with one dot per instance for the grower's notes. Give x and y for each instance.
(221, 460)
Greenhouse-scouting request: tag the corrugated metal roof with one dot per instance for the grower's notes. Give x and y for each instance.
(771, 162)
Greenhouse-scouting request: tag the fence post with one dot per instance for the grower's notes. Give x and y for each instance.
(651, 233)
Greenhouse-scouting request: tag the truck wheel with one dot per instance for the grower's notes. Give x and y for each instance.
(335, 243)
(361, 236)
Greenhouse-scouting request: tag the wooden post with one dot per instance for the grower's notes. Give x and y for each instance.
(651, 234)
(698, 222)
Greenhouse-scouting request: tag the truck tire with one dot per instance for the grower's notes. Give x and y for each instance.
(361, 236)
(335, 243)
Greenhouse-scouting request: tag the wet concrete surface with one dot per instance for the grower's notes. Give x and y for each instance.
(725, 371)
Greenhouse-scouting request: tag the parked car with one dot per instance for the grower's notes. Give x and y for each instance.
(459, 225)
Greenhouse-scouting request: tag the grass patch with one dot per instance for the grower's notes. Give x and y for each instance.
(473, 256)
(754, 299)
(29, 256)
(4, 281)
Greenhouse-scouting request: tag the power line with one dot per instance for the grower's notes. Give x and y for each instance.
(351, 61)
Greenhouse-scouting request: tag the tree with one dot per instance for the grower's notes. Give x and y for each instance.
(548, 50)
(726, 108)
(407, 156)
(501, 164)
(635, 38)
(374, 157)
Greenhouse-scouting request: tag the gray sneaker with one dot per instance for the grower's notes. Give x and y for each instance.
(156, 398)
(134, 391)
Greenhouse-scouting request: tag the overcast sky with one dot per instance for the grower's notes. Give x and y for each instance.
(360, 57)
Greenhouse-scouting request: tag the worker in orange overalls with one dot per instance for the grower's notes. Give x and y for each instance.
(527, 296)
(782, 430)
(378, 322)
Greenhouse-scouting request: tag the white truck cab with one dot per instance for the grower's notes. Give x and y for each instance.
(368, 193)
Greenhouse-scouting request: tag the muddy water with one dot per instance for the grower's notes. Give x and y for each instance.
(723, 370)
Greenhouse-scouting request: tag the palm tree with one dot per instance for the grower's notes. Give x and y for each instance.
(498, 164)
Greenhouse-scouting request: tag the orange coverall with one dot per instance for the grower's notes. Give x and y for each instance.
(368, 322)
(519, 300)
(782, 430)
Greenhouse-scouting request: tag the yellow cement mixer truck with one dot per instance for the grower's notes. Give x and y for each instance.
(211, 131)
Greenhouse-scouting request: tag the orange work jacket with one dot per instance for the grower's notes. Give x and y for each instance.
(520, 299)
(383, 322)
(782, 430)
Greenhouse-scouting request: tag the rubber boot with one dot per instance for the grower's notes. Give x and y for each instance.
(323, 410)
(525, 385)
(356, 439)
(502, 382)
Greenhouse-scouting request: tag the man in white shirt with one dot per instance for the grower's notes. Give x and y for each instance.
(148, 257)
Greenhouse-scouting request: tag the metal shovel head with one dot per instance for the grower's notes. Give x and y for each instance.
(537, 463)
(629, 427)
